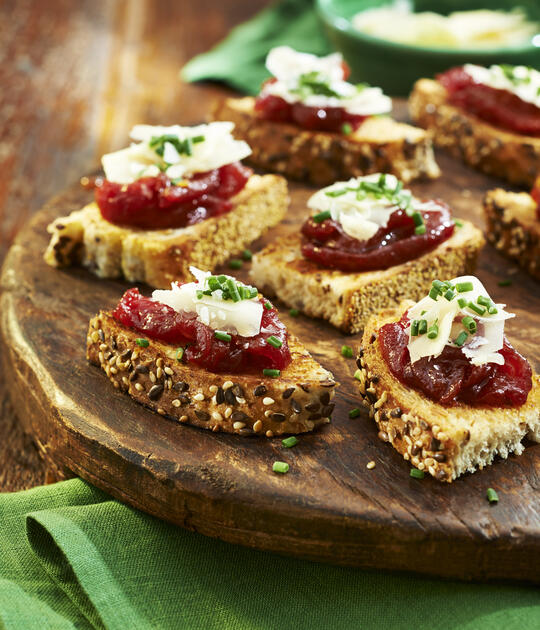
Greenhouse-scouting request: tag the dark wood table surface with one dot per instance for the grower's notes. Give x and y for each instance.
(75, 75)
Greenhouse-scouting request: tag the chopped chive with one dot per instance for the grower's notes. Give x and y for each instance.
(358, 375)
(469, 324)
(439, 285)
(417, 474)
(290, 441)
(235, 263)
(434, 293)
(233, 290)
(420, 229)
(280, 467)
(144, 343)
(294, 312)
(461, 338)
(414, 328)
(180, 354)
(197, 139)
(199, 294)
(321, 216)
(492, 496)
(492, 310)
(422, 327)
(347, 352)
(461, 287)
(247, 255)
(417, 218)
(336, 193)
(504, 283)
(462, 302)
(450, 295)
(477, 309)
(354, 413)
(271, 372)
(274, 341)
(268, 306)
(433, 331)
(458, 222)
(346, 128)
(484, 301)
(222, 336)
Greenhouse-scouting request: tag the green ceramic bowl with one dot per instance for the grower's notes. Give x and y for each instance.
(395, 67)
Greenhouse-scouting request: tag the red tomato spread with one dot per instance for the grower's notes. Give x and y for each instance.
(500, 108)
(240, 355)
(154, 203)
(451, 378)
(328, 245)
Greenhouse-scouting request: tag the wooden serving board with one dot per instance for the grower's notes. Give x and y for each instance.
(329, 506)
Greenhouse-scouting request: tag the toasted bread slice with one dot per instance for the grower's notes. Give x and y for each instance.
(443, 441)
(512, 156)
(513, 229)
(297, 401)
(159, 257)
(346, 299)
(379, 145)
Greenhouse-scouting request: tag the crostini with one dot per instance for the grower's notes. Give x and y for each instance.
(513, 226)
(309, 123)
(443, 383)
(368, 244)
(212, 353)
(488, 117)
(177, 197)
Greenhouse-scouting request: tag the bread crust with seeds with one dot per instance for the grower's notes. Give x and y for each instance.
(512, 156)
(443, 441)
(159, 257)
(380, 144)
(347, 299)
(513, 227)
(246, 404)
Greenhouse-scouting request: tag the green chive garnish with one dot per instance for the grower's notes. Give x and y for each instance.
(235, 263)
(290, 441)
(222, 336)
(347, 352)
(433, 331)
(144, 343)
(461, 339)
(477, 309)
(233, 290)
(414, 328)
(469, 324)
(354, 413)
(321, 216)
(484, 301)
(417, 474)
(358, 375)
(247, 255)
(492, 310)
(294, 312)
(450, 295)
(461, 287)
(504, 283)
(434, 293)
(268, 306)
(336, 193)
(180, 354)
(280, 467)
(492, 496)
(462, 302)
(346, 129)
(417, 218)
(420, 229)
(271, 372)
(458, 222)
(422, 326)
(274, 341)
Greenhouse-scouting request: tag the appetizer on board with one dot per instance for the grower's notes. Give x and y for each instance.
(367, 244)
(513, 226)
(309, 123)
(489, 117)
(178, 196)
(212, 353)
(443, 382)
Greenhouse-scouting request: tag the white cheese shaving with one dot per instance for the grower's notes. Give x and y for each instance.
(480, 347)
(217, 148)
(522, 81)
(362, 218)
(287, 66)
(242, 318)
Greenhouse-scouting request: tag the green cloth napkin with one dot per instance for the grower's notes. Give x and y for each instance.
(239, 59)
(72, 557)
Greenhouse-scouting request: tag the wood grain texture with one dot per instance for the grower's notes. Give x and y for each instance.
(329, 506)
(75, 76)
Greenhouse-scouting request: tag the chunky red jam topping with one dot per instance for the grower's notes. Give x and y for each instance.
(498, 107)
(451, 378)
(201, 347)
(155, 203)
(271, 107)
(327, 244)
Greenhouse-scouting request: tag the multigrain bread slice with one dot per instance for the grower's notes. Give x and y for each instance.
(346, 299)
(379, 145)
(297, 401)
(512, 156)
(513, 227)
(443, 441)
(159, 257)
